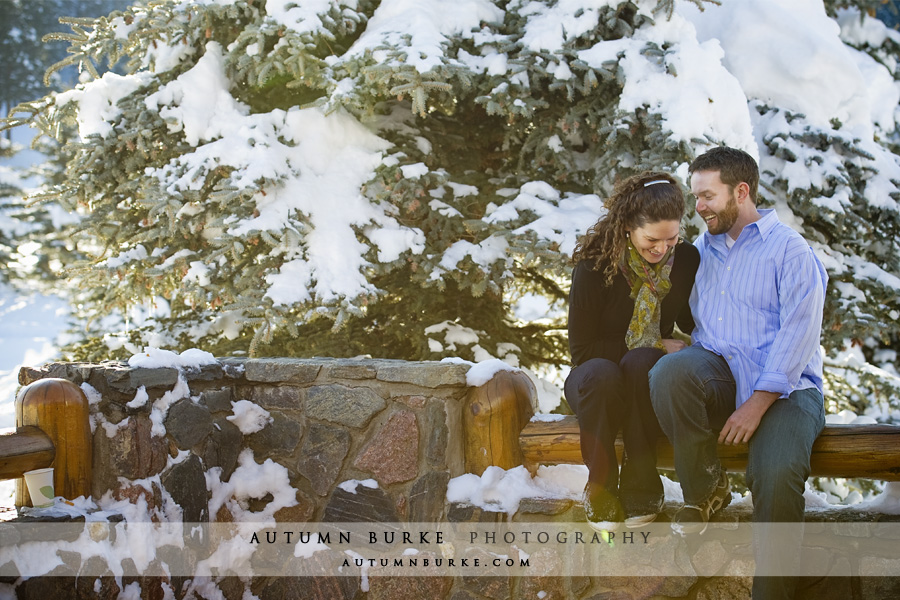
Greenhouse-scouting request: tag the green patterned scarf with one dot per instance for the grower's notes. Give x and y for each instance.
(649, 284)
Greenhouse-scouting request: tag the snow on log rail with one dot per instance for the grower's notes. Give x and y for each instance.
(866, 451)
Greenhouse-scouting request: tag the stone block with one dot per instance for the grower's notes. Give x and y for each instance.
(96, 580)
(223, 447)
(188, 423)
(210, 372)
(876, 568)
(281, 370)
(109, 395)
(667, 551)
(426, 499)
(392, 587)
(493, 582)
(301, 512)
(28, 375)
(493, 587)
(152, 378)
(134, 492)
(353, 407)
(95, 566)
(725, 588)
(436, 435)
(740, 567)
(280, 437)
(709, 558)
(9, 535)
(349, 370)
(217, 400)
(284, 396)
(115, 375)
(468, 513)
(578, 585)
(544, 506)
(132, 453)
(77, 373)
(423, 374)
(232, 588)
(415, 401)
(364, 505)
(257, 505)
(392, 453)
(402, 506)
(613, 595)
(316, 582)
(546, 563)
(61, 585)
(233, 367)
(72, 560)
(840, 568)
(322, 455)
(186, 483)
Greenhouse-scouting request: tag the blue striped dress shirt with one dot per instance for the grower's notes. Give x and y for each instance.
(759, 305)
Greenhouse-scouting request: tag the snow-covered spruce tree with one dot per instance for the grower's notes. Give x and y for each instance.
(10, 202)
(402, 178)
(835, 164)
(23, 55)
(33, 246)
(372, 221)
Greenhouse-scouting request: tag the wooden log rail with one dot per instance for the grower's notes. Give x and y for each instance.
(851, 451)
(23, 450)
(52, 430)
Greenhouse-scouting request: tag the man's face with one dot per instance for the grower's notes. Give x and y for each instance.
(716, 201)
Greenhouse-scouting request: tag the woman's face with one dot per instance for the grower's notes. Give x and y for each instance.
(653, 240)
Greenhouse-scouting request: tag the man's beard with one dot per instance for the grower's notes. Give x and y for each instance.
(725, 219)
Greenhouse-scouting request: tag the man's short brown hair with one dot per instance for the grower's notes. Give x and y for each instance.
(734, 166)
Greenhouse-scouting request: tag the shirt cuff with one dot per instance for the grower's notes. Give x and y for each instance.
(772, 381)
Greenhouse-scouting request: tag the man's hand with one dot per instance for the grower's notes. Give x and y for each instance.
(742, 423)
(673, 345)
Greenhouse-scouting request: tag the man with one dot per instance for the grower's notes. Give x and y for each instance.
(753, 373)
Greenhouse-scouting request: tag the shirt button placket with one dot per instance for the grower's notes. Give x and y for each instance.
(727, 282)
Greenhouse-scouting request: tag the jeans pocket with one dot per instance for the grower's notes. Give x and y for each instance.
(811, 402)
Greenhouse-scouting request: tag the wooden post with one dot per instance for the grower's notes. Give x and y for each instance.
(60, 409)
(494, 415)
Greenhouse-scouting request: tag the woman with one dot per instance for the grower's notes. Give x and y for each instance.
(631, 284)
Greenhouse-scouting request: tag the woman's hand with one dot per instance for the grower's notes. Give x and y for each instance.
(673, 345)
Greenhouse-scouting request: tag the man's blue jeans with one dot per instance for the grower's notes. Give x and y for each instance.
(693, 394)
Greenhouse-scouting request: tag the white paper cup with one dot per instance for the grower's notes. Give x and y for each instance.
(40, 487)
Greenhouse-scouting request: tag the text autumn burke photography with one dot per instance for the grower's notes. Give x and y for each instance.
(431, 551)
(383, 538)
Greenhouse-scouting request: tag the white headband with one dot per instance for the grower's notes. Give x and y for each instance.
(649, 183)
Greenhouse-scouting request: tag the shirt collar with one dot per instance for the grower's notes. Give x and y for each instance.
(766, 223)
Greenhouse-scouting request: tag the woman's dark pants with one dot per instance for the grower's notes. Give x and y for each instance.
(609, 397)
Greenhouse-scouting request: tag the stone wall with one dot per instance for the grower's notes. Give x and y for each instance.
(333, 420)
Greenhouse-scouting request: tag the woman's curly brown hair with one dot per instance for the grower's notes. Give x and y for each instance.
(632, 204)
